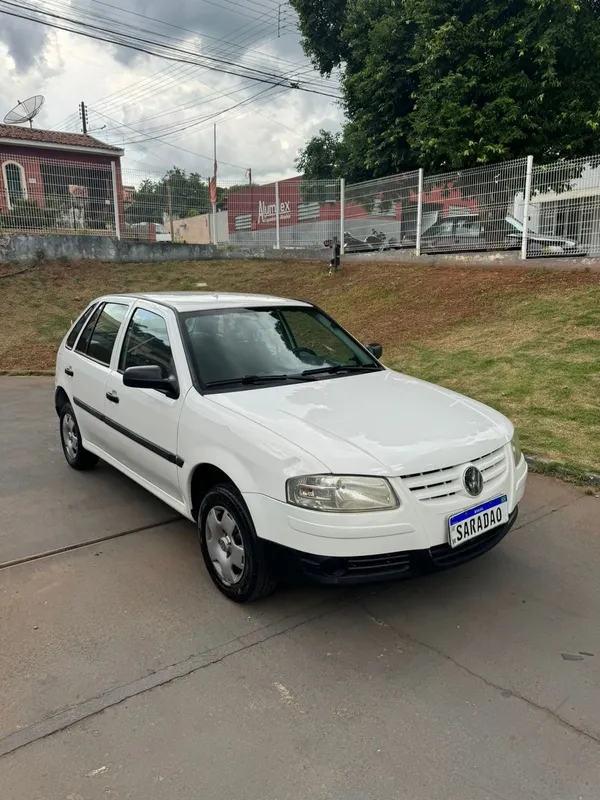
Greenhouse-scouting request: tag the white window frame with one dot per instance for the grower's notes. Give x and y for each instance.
(5, 179)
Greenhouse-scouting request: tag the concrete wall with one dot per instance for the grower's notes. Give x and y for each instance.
(197, 230)
(26, 248)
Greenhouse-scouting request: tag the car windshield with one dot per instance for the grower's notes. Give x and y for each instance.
(250, 346)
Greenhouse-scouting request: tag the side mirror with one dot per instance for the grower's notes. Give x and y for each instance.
(150, 377)
(375, 350)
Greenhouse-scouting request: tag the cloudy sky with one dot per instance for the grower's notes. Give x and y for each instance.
(156, 109)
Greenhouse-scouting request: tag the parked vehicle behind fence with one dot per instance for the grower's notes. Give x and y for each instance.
(460, 233)
(153, 231)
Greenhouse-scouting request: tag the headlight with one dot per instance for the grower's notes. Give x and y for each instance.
(341, 493)
(516, 448)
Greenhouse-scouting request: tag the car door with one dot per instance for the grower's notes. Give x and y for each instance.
(87, 368)
(143, 423)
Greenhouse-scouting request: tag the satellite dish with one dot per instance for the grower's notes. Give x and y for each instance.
(25, 111)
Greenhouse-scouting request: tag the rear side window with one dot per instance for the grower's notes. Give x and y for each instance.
(72, 337)
(84, 339)
(98, 339)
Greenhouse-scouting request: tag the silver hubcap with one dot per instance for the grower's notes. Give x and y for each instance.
(225, 545)
(70, 437)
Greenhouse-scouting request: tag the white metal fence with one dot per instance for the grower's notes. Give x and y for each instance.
(537, 210)
(67, 195)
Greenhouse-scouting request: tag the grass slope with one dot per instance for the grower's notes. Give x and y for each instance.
(525, 341)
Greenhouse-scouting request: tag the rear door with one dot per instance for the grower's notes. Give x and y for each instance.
(87, 368)
(143, 423)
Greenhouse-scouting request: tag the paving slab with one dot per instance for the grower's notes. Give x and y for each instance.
(338, 709)
(44, 504)
(76, 626)
(125, 674)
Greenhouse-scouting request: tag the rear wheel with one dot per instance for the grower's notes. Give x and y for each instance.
(75, 453)
(232, 552)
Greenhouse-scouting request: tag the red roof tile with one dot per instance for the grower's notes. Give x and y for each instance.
(54, 137)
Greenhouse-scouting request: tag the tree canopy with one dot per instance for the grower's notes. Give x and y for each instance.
(189, 197)
(451, 84)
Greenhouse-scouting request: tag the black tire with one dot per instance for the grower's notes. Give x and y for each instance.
(252, 580)
(77, 456)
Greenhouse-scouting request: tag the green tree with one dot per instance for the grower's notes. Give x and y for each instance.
(450, 84)
(453, 84)
(150, 201)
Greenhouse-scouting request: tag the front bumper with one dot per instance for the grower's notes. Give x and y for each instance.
(289, 564)
(416, 525)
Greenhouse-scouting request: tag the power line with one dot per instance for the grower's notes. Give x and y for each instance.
(149, 86)
(199, 155)
(144, 45)
(188, 124)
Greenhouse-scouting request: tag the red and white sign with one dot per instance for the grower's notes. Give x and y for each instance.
(78, 191)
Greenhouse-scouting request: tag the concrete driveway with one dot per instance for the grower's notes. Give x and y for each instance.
(126, 675)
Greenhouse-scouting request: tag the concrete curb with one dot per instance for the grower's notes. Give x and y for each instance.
(544, 466)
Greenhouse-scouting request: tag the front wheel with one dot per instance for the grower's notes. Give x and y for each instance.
(70, 437)
(232, 552)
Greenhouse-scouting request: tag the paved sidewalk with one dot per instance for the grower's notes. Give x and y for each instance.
(126, 675)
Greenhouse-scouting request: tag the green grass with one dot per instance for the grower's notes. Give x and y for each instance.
(546, 378)
(524, 341)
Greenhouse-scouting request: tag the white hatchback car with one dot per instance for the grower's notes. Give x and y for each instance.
(286, 440)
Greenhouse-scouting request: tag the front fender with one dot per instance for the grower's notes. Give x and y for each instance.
(256, 459)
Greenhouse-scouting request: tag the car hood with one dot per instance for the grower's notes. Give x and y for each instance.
(375, 423)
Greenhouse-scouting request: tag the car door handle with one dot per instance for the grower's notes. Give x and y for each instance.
(113, 397)
(69, 372)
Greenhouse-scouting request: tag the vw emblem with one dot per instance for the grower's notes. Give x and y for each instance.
(473, 480)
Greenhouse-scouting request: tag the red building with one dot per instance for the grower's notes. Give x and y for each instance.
(58, 180)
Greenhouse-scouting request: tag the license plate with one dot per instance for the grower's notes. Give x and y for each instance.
(475, 521)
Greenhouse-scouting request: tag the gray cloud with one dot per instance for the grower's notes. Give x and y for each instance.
(266, 138)
(25, 42)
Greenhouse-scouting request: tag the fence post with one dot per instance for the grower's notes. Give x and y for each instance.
(170, 208)
(113, 168)
(526, 206)
(419, 215)
(342, 215)
(277, 232)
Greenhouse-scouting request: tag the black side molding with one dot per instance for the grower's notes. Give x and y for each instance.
(154, 448)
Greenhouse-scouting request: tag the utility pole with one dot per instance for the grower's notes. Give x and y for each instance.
(83, 116)
(170, 208)
(249, 176)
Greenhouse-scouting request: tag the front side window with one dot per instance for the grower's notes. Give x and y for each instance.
(98, 338)
(147, 343)
(251, 346)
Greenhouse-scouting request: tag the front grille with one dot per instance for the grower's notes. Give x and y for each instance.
(359, 569)
(356, 569)
(379, 566)
(436, 485)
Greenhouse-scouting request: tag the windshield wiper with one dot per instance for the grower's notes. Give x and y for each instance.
(247, 380)
(335, 368)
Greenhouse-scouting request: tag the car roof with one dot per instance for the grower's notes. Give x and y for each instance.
(200, 301)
